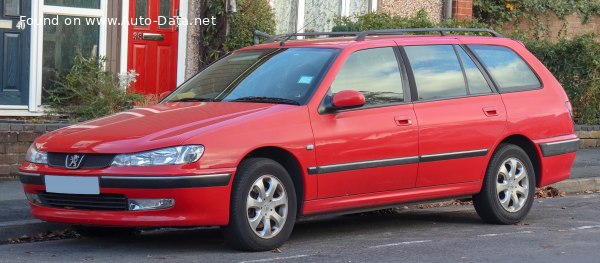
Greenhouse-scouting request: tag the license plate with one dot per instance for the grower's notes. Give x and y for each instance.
(72, 185)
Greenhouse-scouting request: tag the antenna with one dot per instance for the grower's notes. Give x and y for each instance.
(282, 43)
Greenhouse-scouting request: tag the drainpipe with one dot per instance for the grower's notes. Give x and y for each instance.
(230, 7)
(447, 9)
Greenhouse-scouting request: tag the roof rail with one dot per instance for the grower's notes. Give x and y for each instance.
(258, 34)
(307, 34)
(362, 35)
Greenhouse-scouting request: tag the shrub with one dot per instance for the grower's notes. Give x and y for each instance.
(217, 40)
(88, 91)
(372, 21)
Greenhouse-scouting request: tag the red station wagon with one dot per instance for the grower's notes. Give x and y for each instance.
(288, 129)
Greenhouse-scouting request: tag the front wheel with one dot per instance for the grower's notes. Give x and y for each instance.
(263, 206)
(508, 187)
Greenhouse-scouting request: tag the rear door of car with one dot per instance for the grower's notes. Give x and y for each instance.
(460, 114)
(373, 148)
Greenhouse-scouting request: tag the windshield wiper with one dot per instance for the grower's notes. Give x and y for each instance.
(193, 100)
(266, 100)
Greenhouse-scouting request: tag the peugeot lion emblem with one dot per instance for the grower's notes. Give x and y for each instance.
(73, 161)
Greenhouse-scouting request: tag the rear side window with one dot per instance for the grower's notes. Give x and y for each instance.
(375, 73)
(475, 80)
(508, 69)
(437, 71)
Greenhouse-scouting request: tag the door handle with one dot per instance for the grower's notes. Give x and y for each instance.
(490, 111)
(403, 121)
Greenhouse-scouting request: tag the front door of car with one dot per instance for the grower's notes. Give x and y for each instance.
(460, 116)
(153, 40)
(15, 45)
(373, 148)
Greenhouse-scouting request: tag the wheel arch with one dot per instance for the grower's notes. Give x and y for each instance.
(289, 162)
(530, 148)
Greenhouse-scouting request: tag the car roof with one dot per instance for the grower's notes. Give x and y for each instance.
(343, 42)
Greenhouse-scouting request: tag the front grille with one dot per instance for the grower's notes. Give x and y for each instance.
(111, 202)
(90, 161)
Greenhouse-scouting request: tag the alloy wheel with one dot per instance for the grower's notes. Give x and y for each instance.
(266, 206)
(512, 185)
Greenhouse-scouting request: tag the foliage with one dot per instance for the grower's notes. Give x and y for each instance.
(497, 12)
(372, 21)
(576, 65)
(88, 91)
(232, 30)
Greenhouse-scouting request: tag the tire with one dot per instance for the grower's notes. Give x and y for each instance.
(507, 193)
(252, 209)
(93, 231)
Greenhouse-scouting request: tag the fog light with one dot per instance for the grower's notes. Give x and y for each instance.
(33, 198)
(150, 204)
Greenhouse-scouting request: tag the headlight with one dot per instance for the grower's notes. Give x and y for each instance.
(166, 156)
(35, 156)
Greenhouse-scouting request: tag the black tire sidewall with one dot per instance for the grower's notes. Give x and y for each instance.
(487, 203)
(239, 232)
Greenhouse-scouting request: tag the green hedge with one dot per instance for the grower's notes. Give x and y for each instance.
(575, 63)
(386, 21)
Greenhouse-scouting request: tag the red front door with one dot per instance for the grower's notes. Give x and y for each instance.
(153, 45)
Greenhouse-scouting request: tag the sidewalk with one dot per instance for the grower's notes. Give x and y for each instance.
(16, 220)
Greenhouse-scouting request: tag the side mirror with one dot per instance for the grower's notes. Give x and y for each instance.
(347, 99)
(163, 95)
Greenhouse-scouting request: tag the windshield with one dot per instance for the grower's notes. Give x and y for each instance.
(286, 76)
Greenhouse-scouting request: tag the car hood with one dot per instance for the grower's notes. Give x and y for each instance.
(148, 128)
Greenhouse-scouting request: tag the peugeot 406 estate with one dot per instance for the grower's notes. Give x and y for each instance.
(288, 129)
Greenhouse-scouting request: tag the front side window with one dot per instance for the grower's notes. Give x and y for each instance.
(437, 71)
(375, 73)
(268, 75)
(506, 67)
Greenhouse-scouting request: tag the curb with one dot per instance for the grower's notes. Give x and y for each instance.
(573, 186)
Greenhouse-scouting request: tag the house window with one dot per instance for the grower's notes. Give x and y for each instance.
(69, 26)
(61, 43)
(315, 15)
(286, 15)
(319, 15)
(94, 4)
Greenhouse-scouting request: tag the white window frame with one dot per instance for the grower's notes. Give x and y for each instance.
(38, 10)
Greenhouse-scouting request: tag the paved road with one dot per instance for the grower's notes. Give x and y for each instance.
(558, 230)
(587, 164)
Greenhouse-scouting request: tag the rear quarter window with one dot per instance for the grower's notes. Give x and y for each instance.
(509, 70)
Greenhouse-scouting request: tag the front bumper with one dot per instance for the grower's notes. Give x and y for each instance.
(200, 200)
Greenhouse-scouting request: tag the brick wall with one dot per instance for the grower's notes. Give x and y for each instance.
(15, 139)
(462, 9)
(589, 135)
(408, 8)
(574, 26)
